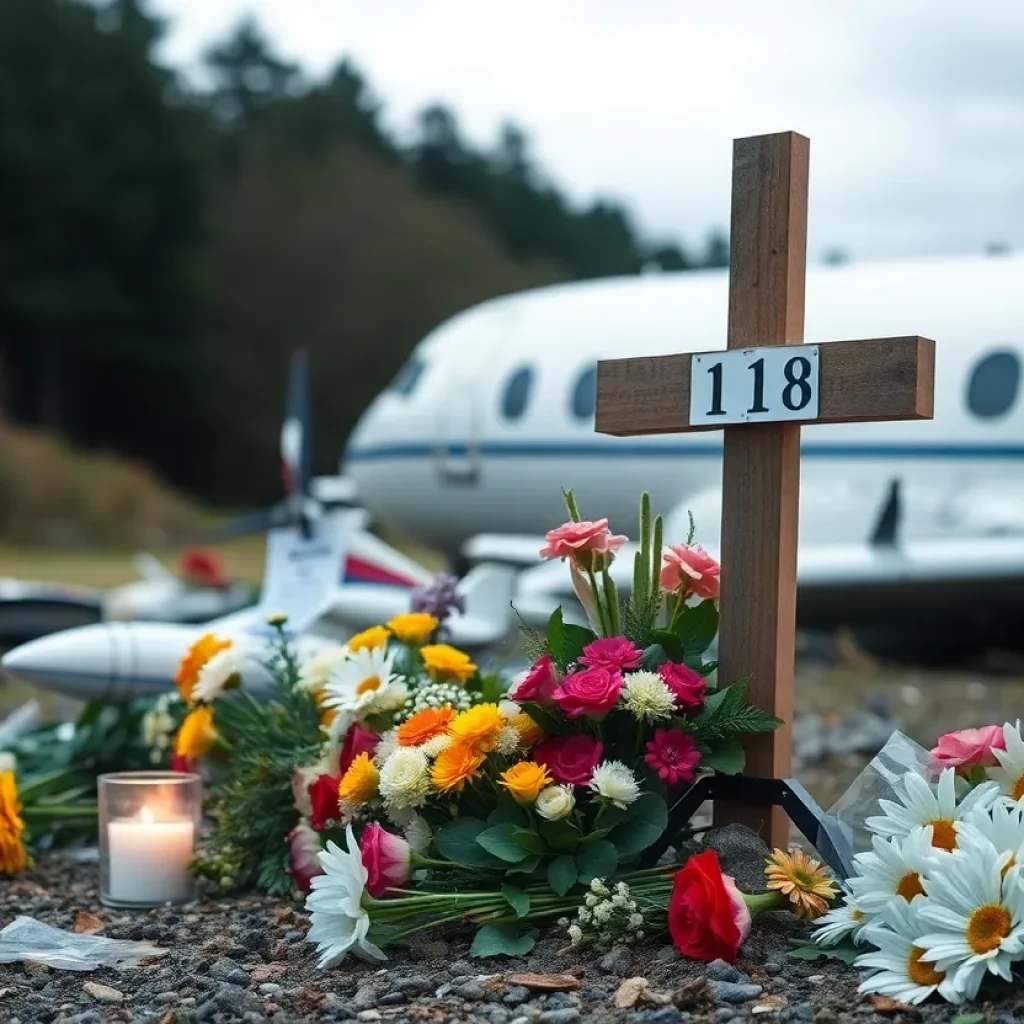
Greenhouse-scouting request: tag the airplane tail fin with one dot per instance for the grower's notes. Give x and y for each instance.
(486, 591)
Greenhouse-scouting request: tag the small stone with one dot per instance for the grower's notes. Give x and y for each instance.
(86, 923)
(724, 1014)
(167, 997)
(516, 995)
(207, 1010)
(332, 1001)
(666, 1015)
(365, 998)
(152, 932)
(742, 854)
(459, 967)
(520, 1020)
(546, 982)
(564, 1015)
(772, 968)
(494, 1014)
(411, 986)
(391, 999)
(667, 954)
(294, 935)
(471, 990)
(730, 992)
(368, 1015)
(229, 971)
(254, 941)
(103, 993)
(719, 970)
(617, 962)
(89, 1017)
(269, 988)
(253, 1018)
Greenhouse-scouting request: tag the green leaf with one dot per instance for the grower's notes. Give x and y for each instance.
(508, 939)
(551, 723)
(526, 866)
(560, 835)
(562, 874)
(727, 757)
(647, 820)
(566, 640)
(670, 644)
(456, 841)
(595, 836)
(726, 712)
(518, 900)
(696, 627)
(807, 951)
(529, 840)
(500, 840)
(969, 1018)
(509, 812)
(598, 860)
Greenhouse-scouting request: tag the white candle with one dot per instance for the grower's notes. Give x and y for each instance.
(148, 860)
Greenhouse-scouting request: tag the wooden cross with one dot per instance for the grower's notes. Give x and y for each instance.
(765, 389)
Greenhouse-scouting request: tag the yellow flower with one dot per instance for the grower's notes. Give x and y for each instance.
(478, 727)
(359, 784)
(424, 725)
(803, 880)
(413, 627)
(369, 639)
(197, 734)
(454, 766)
(525, 780)
(447, 662)
(13, 855)
(530, 733)
(195, 658)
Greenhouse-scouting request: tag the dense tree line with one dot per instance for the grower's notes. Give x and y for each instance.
(162, 249)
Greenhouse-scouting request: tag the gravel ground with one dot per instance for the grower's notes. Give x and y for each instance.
(245, 959)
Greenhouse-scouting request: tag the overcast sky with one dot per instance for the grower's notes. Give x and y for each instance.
(915, 109)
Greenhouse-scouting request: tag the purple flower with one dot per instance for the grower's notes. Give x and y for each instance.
(439, 598)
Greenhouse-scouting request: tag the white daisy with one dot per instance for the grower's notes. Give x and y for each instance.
(846, 919)
(314, 673)
(338, 921)
(1001, 824)
(1009, 776)
(975, 914)
(223, 669)
(900, 970)
(405, 779)
(894, 868)
(919, 805)
(647, 696)
(366, 683)
(615, 782)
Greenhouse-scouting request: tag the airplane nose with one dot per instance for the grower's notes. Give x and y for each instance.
(77, 663)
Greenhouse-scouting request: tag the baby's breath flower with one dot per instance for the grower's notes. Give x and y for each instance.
(437, 695)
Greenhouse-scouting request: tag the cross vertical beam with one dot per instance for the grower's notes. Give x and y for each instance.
(761, 463)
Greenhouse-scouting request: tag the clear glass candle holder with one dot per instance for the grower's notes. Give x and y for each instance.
(149, 824)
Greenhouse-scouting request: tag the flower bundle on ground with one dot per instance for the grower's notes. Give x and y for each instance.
(940, 896)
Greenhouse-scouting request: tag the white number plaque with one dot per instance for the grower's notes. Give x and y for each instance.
(754, 385)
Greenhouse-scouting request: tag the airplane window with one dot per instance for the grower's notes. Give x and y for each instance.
(408, 377)
(517, 393)
(994, 384)
(584, 395)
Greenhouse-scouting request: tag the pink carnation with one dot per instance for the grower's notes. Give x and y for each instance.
(539, 683)
(387, 859)
(594, 691)
(691, 569)
(613, 652)
(587, 544)
(687, 685)
(968, 747)
(673, 755)
(303, 860)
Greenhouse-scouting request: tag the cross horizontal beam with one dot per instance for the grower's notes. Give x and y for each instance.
(874, 379)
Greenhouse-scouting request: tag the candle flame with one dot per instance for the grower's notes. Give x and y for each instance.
(146, 815)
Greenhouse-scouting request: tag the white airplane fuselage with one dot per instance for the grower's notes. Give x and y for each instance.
(460, 445)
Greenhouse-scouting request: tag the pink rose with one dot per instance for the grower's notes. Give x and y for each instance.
(588, 544)
(387, 859)
(687, 685)
(357, 741)
(690, 569)
(570, 759)
(303, 860)
(968, 747)
(613, 652)
(593, 691)
(539, 683)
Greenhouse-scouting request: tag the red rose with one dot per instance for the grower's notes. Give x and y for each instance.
(687, 685)
(357, 741)
(591, 692)
(569, 759)
(707, 915)
(323, 800)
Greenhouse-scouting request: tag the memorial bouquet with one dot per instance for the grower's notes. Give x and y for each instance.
(392, 757)
(936, 905)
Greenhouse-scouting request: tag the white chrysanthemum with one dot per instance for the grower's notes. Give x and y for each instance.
(1009, 776)
(386, 746)
(508, 740)
(418, 834)
(555, 802)
(899, 970)
(437, 744)
(366, 683)
(338, 921)
(920, 805)
(973, 917)
(214, 676)
(615, 782)
(647, 697)
(313, 675)
(1001, 824)
(405, 778)
(509, 709)
(846, 919)
(894, 868)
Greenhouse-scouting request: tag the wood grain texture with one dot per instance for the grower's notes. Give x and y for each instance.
(865, 380)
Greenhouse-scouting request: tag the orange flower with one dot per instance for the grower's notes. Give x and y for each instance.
(455, 766)
(802, 880)
(13, 855)
(443, 661)
(197, 734)
(530, 733)
(478, 727)
(525, 780)
(424, 725)
(359, 784)
(195, 658)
